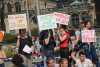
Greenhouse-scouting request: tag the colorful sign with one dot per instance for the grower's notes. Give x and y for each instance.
(1, 36)
(46, 22)
(88, 36)
(61, 18)
(18, 21)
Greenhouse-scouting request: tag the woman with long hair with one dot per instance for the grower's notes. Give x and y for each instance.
(64, 42)
(23, 40)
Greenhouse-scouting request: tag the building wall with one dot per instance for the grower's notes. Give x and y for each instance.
(97, 7)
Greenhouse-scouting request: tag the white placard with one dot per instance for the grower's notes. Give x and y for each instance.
(88, 36)
(61, 18)
(17, 21)
(46, 22)
(27, 49)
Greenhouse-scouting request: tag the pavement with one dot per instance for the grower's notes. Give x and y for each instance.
(8, 64)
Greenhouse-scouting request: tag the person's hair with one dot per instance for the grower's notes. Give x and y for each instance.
(63, 27)
(85, 23)
(62, 60)
(22, 31)
(82, 22)
(81, 53)
(50, 31)
(49, 59)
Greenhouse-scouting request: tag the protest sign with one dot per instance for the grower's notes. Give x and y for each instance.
(18, 21)
(1, 36)
(61, 18)
(88, 36)
(46, 22)
(27, 49)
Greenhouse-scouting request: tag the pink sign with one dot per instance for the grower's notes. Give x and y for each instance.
(88, 36)
(62, 18)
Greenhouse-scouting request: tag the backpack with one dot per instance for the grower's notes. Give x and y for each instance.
(17, 59)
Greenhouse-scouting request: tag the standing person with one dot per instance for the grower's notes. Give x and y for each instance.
(89, 47)
(77, 39)
(48, 43)
(82, 61)
(73, 44)
(64, 42)
(22, 40)
(2, 56)
(63, 63)
(72, 38)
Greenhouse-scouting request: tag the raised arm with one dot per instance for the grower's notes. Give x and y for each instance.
(62, 38)
(73, 56)
(18, 41)
(47, 39)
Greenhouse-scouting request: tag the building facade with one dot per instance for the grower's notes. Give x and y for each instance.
(80, 10)
(97, 7)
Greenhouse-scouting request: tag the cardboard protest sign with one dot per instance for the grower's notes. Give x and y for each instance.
(46, 22)
(1, 36)
(17, 21)
(88, 36)
(61, 18)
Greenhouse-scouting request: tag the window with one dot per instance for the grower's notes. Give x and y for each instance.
(75, 20)
(18, 6)
(9, 6)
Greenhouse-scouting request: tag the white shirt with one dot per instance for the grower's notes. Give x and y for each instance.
(86, 63)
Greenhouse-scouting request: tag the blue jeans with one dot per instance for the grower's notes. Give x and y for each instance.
(40, 65)
(2, 65)
(47, 52)
(91, 53)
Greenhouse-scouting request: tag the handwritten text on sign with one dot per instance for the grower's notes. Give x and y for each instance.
(88, 36)
(18, 21)
(46, 22)
(62, 18)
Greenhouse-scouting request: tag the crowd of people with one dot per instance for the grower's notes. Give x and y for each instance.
(64, 42)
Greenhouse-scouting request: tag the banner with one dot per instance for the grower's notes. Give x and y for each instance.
(18, 21)
(62, 18)
(1, 36)
(46, 22)
(88, 36)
